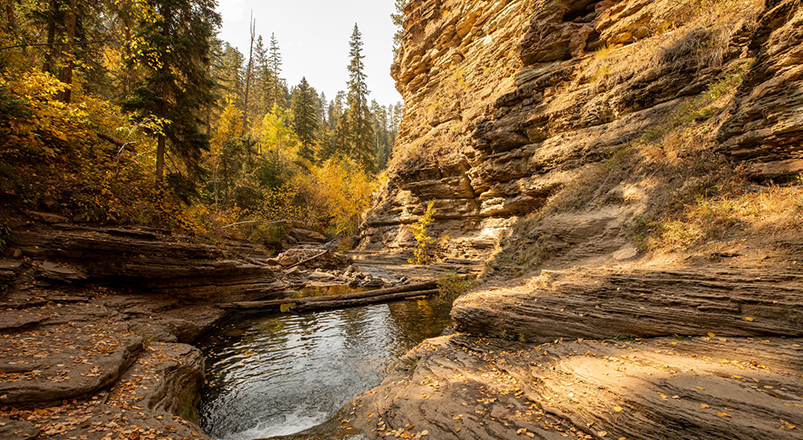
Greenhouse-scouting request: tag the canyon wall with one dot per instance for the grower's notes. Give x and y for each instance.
(510, 103)
(640, 161)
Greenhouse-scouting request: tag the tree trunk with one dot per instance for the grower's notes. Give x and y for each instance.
(66, 71)
(248, 74)
(12, 22)
(160, 158)
(342, 304)
(51, 54)
(425, 288)
(129, 73)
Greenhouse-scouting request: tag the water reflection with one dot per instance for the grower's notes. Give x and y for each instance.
(275, 375)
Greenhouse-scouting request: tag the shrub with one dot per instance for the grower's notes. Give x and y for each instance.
(451, 285)
(423, 253)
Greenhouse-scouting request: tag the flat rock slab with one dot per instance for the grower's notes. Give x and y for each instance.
(17, 429)
(65, 359)
(138, 406)
(602, 304)
(62, 272)
(461, 387)
(19, 320)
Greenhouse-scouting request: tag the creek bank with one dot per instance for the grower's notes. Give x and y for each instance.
(461, 386)
(96, 325)
(555, 138)
(710, 352)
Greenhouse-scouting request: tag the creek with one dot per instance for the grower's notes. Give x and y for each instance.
(276, 375)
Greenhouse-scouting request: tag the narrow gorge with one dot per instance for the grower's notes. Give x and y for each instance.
(629, 173)
(616, 196)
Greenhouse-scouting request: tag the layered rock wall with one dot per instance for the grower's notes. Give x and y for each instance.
(508, 101)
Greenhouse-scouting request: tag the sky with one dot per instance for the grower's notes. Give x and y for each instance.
(314, 36)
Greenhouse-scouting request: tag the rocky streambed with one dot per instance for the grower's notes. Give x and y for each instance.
(92, 347)
(97, 325)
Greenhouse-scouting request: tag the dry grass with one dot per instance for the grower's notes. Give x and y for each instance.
(694, 195)
(697, 34)
(749, 211)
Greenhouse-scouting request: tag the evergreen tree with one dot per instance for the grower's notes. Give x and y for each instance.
(359, 134)
(275, 89)
(229, 73)
(262, 75)
(322, 107)
(381, 134)
(177, 84)
(305, 117)
(336, 109)
(398, 20)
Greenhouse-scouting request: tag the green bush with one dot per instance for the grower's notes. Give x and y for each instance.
(451, 285)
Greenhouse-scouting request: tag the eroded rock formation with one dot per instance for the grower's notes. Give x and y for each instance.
(521, 118)
(507, 102)
(95, 325)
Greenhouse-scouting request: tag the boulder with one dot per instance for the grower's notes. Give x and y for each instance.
(307, 236)
(315, 258)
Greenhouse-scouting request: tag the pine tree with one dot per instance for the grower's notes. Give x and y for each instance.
(262, 74)
(359, 131)
(177, 84)
(381, 134)
(305, 117)
(398, 20)
(229, 74)
(275, 90)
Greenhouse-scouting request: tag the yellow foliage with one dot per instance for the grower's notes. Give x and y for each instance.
(229, 126)
(276, 137)
(337, 192)
(425, 245)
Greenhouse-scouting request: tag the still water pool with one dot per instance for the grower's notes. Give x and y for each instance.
(273, 375)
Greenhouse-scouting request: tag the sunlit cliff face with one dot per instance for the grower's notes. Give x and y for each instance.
(532, 117)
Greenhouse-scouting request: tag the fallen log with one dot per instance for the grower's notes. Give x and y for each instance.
(342, 304)
(258, 305)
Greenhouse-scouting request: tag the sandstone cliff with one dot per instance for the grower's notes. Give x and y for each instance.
(640, 162)
(516, 111)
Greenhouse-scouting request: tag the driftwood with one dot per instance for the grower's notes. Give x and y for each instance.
(342, 304)
(417, 288)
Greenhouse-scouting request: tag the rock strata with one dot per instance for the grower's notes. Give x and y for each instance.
(145, 260)
(94, 327)
(507, 102)
(599, 304)
(459, 387)
(519, 120)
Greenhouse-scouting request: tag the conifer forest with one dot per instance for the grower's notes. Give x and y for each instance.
(136, 112)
